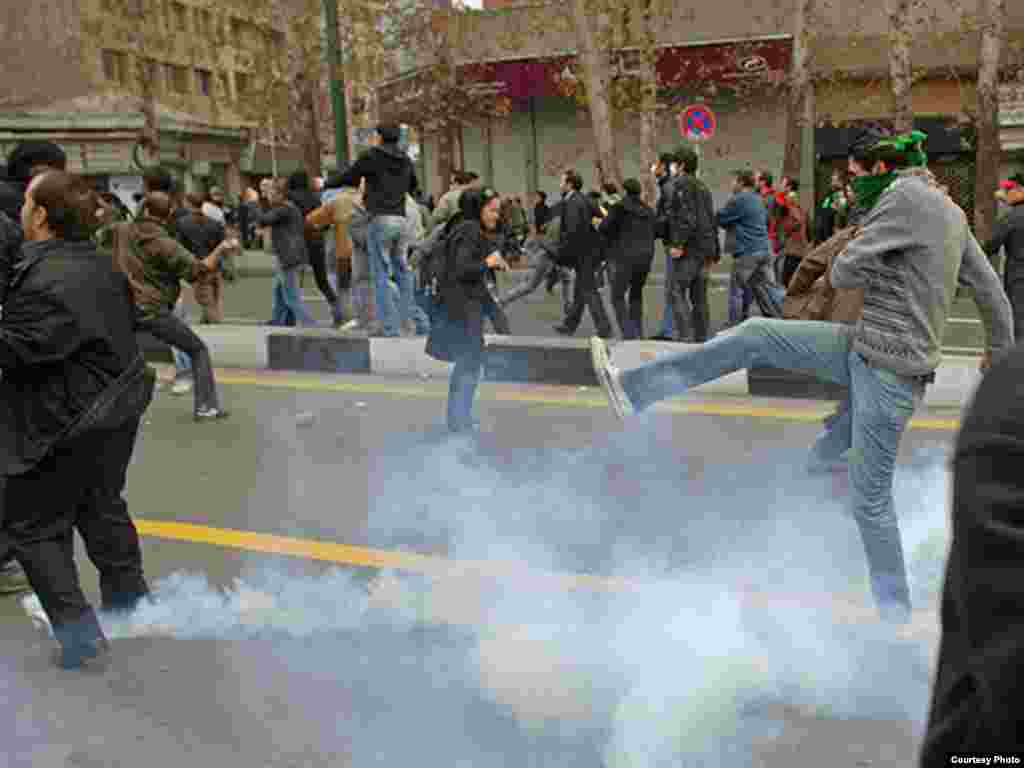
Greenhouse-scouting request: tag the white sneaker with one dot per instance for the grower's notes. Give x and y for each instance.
(610, 378)
(351, 325)
(182, 386)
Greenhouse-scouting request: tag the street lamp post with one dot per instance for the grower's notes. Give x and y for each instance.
(337, 84)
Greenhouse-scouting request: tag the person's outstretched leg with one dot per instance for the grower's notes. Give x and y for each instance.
(167, 328)
(821, 349)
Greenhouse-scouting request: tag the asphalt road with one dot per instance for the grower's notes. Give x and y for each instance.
(248, 300)
(724, 613)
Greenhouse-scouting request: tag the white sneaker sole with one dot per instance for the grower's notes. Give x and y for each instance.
(608, 376)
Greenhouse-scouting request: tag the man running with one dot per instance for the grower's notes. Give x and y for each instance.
(913, 246)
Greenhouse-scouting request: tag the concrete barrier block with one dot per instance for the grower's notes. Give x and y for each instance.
(773, 382)
(320, 351)
(405, 357)
(564, 362)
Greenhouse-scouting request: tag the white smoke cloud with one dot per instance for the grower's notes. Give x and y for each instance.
(746, 585)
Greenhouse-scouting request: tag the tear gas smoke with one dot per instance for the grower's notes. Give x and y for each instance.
(679, 669)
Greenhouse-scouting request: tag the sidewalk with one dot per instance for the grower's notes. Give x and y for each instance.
(555, 361)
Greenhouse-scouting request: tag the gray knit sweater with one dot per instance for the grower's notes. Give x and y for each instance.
(913, 247)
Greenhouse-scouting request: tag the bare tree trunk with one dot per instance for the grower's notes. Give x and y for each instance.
(311, 159)
(462, 147)
(446, 155)
(596, 77)
(799, 91)
(900, 69)
(993, 38)
(648, 102)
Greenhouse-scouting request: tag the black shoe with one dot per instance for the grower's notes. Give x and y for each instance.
(661, 337)
(90, 657)
(564, 331)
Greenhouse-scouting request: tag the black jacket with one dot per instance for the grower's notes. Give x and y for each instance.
(629, 230)
(691, 218)
(389, 175)
(464, 292)
(67, 335)
(287, 234)
(661, 206)
(199, 234)
(1009, 234)
(579, 245)
(12, 195)
(977, 701)
(541, 216)
(10, 247)
(301, 193)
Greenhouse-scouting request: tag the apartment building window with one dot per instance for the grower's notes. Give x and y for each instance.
(225, 85)
(241, 84)
(179, 13)
(177, 78)
(204, 22)
(150, 74)
(203, 80)
(115, 66)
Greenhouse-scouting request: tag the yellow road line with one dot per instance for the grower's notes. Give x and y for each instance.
(347, 554)
(845, 607)
(311, 383)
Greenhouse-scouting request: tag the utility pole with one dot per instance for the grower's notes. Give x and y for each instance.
(337, 84)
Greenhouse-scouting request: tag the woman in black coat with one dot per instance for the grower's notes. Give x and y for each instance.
(629, 230)
(473, 249)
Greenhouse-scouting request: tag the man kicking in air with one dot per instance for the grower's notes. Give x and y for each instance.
(913, 247)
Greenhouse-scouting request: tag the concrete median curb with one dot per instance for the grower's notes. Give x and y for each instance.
(512, 359)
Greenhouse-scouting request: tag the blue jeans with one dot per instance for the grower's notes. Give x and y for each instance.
(881, 404)
(288, 306)
(741, 293)
(388, 241)
(182, 362)
(740, 298)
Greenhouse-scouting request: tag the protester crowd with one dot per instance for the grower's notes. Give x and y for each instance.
(857, 293)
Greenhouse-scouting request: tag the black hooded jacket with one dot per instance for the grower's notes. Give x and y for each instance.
(629, 230)
(977, 696)
(301, 192)
(12, 195)
(68, 352)
(389, 175)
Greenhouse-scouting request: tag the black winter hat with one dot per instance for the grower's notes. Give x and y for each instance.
(30, 153)
(864, 140)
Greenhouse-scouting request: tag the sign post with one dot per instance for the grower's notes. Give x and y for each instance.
(697, 124)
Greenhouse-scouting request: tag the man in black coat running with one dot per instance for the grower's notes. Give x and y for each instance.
(72, 395)
(581, 248)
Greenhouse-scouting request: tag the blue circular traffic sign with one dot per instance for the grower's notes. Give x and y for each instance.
(697, 123)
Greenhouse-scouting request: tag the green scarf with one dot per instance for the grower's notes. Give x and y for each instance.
(867, 189)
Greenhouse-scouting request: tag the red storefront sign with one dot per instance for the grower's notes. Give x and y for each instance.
(679, 67)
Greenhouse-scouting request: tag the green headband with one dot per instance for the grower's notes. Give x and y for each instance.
(910, 144)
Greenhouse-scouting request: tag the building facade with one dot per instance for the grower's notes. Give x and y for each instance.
(728, 57)
(174, 74)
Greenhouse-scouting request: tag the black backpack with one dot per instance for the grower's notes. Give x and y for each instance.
(432, 257)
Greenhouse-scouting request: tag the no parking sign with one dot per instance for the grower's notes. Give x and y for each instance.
(698, 123)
